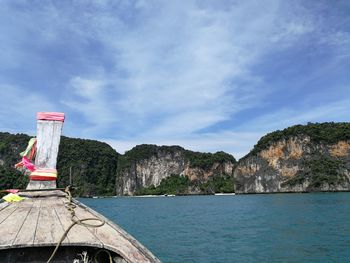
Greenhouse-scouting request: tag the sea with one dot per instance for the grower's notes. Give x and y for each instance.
(301, 228)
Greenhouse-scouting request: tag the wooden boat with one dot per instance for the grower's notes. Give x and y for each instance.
(49, 218)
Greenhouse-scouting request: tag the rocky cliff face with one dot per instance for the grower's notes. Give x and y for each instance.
(296, 163)
(97, 169)
(158, 163)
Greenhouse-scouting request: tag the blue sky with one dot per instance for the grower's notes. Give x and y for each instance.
(206, 75)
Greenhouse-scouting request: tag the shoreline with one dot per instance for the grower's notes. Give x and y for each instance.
(216, 194)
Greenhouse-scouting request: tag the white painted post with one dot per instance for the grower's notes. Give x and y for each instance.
(49, 128)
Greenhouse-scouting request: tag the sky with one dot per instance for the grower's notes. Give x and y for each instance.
(206, 75)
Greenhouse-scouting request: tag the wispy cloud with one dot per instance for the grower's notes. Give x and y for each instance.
(179, 65)
(175, 72)
(338, 111)
(239, 143)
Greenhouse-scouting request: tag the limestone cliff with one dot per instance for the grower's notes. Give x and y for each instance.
(313, 157)
(97, 169)
(148, 165)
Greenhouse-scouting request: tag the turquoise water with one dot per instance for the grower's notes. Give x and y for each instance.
(243, 228)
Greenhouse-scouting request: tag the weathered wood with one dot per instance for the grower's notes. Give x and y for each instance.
(41, 221)
(117, 229)
(51, 193)
(3, 205)
(48, 140)
(49, 229)
(78, 235)
(7, 211)
(41, 184)
(27, 233)
(115, 238)
(13, 224)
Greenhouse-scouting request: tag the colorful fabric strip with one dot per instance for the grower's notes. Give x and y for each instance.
(50, 116)
(42, 178)
(28, 164)
(13, 191)
(12, 198)
(31, 145)
(43, 175)
(28, 155)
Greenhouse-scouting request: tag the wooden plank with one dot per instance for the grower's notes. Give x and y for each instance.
(7, 211)
(41, 184)
(13, 223)
(48, 140)
(26, 234)
(51, 193)
(78, 235)
(49, 229)
(3, 205)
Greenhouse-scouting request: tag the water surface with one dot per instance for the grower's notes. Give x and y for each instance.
(242, 228)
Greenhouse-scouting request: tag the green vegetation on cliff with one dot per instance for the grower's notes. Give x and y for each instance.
(207, 160)
(174, 184)
(195, 159)
(219, 184)
(10, 147)
(201, 164)
(328, 132)
(93, 164)
(319, 171)
(181, 185)
(11, 178)
(142, 152)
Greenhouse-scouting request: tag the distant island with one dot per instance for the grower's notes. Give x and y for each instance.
(98, 170)
(301, 158)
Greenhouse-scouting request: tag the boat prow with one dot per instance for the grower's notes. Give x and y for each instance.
(31, 229)
(49, 225)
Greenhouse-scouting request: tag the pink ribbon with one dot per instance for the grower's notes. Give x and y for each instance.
(13, 191)
(28, 164)
(50, 116)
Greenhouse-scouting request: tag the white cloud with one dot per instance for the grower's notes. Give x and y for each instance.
(163, 71)
(91, 100)
(285, 117)
(178, 63)
(177, 71)
(240, 143)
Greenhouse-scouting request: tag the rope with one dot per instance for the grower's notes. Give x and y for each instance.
(75, 221)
